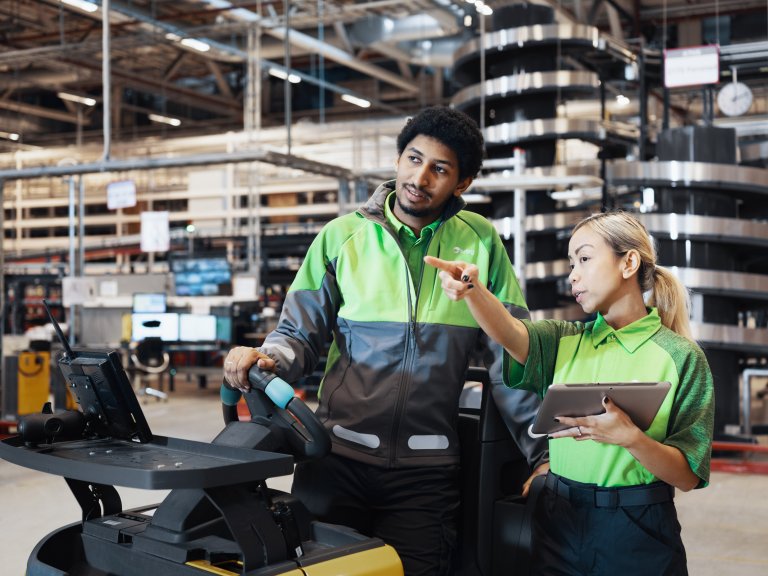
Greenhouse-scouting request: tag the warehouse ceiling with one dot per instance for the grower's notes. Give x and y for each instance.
(180, 67)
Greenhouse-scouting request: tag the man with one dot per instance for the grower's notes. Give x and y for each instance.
(400, 349)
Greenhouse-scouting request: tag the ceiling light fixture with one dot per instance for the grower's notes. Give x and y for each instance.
(165, 119)
(356, 101)
(83, 5)
(277, 73)
(195, 44)
(86, 100)
(483, 8)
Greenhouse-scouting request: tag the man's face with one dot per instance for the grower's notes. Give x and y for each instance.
(427, 177)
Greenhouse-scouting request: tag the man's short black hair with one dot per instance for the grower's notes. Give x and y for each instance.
(454, 129)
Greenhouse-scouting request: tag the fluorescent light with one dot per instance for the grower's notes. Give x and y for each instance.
(86, 100)
(195, 44)
(483, 9)
(277, 73)
(9, 136)
(356, 101)
(83, 5)
(622, 101)
(165, 119)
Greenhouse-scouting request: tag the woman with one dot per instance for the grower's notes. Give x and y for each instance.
(608, 507)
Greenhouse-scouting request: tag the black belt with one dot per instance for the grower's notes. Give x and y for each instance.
(610, 497)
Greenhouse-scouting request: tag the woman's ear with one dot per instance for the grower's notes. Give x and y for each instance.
(630, 263)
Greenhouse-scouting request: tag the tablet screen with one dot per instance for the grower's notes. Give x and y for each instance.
(640, 400)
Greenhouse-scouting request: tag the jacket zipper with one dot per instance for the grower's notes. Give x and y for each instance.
(411, 344)
(410, 336)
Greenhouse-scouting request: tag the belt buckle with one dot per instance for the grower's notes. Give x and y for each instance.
(582, 495)
(607, 498)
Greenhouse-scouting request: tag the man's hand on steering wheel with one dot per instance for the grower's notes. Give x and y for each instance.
(237, 363)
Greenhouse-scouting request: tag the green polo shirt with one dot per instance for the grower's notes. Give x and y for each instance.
(644, 351)
(414, 247)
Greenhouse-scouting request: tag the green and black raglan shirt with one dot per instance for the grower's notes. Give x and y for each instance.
(399, 348)
(644, 351)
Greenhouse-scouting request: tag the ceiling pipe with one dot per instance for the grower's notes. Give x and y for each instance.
(106, 80)
(423, 39)
(233, 54)
(37, 78)
(314, 46)
(402, 39)
(341, 57)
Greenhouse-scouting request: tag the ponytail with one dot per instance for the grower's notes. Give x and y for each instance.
(672, 300)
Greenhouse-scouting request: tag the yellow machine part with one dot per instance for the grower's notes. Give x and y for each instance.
(206, 566)
(34, 381)
(381, 561)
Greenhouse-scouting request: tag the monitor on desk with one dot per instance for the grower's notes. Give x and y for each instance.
(197, 328)
(149, 302)
(161, 325)
(224, 329)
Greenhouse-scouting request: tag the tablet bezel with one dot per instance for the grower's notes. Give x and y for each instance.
(640, 400)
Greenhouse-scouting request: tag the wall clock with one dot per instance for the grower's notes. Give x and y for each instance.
(734, 99)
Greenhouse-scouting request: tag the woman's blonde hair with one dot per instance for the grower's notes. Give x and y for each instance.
(623, 232)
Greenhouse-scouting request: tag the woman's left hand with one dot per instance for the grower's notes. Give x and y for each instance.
(611, 427)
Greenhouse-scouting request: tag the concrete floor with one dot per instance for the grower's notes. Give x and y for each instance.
(725, 526)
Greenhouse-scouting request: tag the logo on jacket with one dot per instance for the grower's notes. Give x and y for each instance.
(465, 251)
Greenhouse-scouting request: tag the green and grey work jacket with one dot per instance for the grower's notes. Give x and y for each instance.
(400, 348)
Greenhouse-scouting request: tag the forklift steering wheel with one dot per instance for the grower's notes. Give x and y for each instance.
(271, 403)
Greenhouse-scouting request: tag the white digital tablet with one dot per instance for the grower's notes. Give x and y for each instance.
(640, 400)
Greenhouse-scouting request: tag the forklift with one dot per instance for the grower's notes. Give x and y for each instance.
(220, 516)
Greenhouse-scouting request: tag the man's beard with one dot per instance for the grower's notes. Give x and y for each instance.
(417, 213)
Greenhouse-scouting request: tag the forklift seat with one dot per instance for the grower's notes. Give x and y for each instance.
(495, 520)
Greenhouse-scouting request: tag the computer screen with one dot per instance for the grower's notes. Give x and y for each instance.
(144, 302)
(197, 328)
(224, 328)
(160, 325)
(105, 395)
(202, 276)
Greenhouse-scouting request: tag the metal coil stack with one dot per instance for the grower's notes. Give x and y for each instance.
(710, 221)
(707, 213)
(516, 80)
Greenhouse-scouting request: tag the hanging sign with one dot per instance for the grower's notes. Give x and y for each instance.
(155, 232)
(691, 66)
(121, 194)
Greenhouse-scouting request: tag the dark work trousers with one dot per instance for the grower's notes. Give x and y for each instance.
(411, 509)
(575, 537)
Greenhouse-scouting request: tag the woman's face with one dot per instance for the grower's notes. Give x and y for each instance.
(596, 271)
